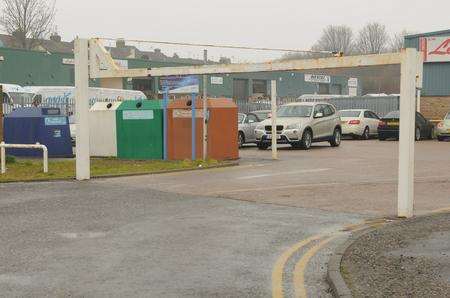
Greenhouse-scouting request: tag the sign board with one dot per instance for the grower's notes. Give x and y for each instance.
(435, 48)
(181, 84)
(138, 115)
(353, 83)
(314, 78)
(51, 121)
(217, 80)
(181, 113)
(123, 64)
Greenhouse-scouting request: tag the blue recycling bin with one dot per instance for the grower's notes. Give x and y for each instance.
(38, 125)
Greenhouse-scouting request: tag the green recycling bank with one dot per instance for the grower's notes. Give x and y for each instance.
(136, 134)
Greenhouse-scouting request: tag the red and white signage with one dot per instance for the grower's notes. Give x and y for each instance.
(435, 49)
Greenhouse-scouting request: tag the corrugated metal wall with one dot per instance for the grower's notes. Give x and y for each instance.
(380, 105)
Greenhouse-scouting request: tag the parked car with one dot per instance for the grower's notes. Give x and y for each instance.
(301, 124)
(390, 124)
(246, 126)
(359, 123)
(443, 128)
(263, 114)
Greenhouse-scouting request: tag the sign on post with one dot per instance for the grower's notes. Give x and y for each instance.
(180, 84)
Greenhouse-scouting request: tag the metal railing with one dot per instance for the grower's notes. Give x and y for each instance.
(3, 147)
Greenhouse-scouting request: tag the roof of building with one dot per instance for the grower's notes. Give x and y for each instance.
(441, 32)
(121, 52)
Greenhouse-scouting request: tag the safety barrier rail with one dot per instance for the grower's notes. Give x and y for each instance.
(3, 147)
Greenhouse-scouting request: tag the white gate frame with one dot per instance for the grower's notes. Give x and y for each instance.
(44, 149)
(93, 61)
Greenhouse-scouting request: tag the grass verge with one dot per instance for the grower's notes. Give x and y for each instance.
(31, 170)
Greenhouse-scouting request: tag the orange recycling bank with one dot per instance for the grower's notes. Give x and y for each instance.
(222, 129)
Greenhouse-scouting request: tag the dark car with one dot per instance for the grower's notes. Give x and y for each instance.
(390, 124)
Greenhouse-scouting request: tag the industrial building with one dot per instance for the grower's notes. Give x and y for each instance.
(435, 102)
(51, 64)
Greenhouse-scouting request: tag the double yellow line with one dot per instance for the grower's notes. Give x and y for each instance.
(300, 267)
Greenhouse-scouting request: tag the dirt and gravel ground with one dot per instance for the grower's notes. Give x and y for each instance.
(405, 259)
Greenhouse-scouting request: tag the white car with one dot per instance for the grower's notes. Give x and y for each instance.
(301, 124)
(361, 124)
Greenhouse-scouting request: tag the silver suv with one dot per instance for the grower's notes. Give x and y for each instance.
(301, 124)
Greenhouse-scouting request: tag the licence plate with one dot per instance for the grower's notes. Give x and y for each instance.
(393, 123)
(269, 137)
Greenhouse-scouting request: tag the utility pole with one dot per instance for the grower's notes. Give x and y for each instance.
(205, 108)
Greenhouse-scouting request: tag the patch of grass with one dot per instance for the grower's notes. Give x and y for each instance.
(10, 159)
(31, 169)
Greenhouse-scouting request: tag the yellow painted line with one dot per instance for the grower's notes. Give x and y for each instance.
(277, 272)
(441, 210)
(300, 267)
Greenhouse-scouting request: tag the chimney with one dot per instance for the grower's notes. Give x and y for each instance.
(55, 37)
(120, 43)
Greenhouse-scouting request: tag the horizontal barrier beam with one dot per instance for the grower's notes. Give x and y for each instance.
(3, 146)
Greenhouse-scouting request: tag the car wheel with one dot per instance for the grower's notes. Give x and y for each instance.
(418, 136)
(241, 139)
(306, 141)
(366, 134)
(262, 146)
(336, 140)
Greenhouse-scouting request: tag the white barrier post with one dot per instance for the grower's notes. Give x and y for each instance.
(407, 132)
(83, 164)
(273, 93)
(3, 157)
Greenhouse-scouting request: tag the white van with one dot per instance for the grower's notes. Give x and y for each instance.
(59, 96)
(15, 96)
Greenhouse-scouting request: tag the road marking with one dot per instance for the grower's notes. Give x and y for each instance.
(277, 272)
(441, 210)
(364, 182)
(282, 174)
(300, 267)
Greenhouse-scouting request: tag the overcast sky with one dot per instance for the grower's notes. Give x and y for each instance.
(283, 23)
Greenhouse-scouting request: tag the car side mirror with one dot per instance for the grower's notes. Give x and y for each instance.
(318, 115)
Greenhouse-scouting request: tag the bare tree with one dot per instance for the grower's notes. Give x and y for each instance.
(335, 39)
(28, 20)
(398, 41)
(372, 39)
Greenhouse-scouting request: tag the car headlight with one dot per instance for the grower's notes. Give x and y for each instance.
(293, 126)
(260, 127)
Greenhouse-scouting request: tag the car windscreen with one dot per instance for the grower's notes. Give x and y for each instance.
(350, 114)
(240, 118)
(295, 111)
(393, 115)
(262, 115)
